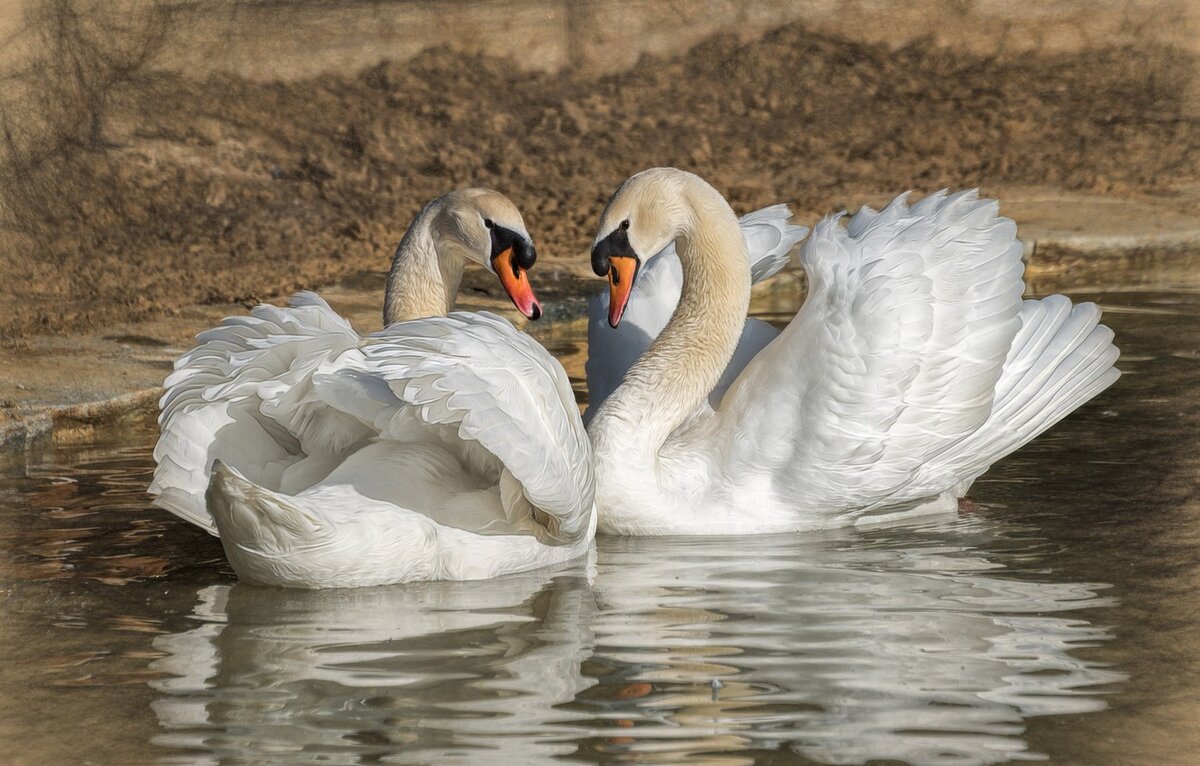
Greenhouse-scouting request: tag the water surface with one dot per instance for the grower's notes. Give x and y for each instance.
(1057, 619)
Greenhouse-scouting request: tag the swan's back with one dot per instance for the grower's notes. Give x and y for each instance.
(472, 382)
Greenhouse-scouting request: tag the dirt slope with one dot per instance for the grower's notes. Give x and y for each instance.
(220, 189)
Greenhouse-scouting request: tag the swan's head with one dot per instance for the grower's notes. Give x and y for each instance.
(486, 228)
(643, 216)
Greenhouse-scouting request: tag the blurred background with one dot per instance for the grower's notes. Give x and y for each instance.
(158, 154)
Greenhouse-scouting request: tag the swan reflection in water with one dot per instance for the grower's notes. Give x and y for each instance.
(929, 645)
(438, 670)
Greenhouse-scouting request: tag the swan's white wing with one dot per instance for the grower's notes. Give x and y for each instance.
(1061, 358)
(612, 351)
(475, 379)
(893, 359)
(446, 448)
(244, 395)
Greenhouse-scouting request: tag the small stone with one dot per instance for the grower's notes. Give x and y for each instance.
(716, 687)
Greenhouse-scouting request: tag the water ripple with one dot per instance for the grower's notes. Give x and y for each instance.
(839, 649)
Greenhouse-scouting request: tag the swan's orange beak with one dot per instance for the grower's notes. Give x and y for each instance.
(615, 257)
(515, 281)
(622, 270)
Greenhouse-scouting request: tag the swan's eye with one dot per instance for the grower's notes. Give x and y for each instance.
(488, 222)
(625, 224)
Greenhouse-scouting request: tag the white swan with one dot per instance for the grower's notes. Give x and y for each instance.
(443, 447)
(613, 347)
(911, 368)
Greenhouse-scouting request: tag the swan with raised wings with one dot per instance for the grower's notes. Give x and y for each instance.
(912, 366)
(442, 447)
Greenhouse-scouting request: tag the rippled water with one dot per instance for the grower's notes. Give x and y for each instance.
(1056, 619)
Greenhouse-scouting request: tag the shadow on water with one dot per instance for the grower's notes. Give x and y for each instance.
(1057, 619)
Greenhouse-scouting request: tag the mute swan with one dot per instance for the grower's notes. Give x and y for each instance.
(655, 293)
(442, 447)
(911, 368)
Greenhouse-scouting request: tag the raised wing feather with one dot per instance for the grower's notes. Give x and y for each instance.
(893, 358)
(612, 351)
(769, 239)
(1062, 357)
(243, 395)
(474, 378)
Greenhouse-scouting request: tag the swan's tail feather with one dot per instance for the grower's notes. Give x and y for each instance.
(256, 518)
(1061, 358)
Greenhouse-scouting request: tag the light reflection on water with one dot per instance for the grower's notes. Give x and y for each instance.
(847, 649)
(1050, 622)
(442, 670)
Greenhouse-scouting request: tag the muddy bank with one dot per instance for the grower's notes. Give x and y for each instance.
(220, 190)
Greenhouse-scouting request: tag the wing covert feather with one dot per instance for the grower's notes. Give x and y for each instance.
(243, 395)
(475, 373)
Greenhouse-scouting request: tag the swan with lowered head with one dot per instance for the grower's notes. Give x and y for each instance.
(912, 366)
(442, 447)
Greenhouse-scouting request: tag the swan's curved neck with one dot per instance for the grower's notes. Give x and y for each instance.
(665, 386)
(424, 280)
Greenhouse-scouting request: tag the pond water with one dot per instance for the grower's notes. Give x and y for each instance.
(1057, 619)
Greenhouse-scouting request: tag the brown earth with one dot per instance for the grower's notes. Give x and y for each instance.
(218, 189)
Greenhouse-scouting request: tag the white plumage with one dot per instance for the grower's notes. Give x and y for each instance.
(440, 448)
(244, 395)
(911, 368)
(447, 447)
